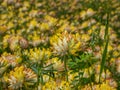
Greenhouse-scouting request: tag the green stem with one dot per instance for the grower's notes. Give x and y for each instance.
(79, 79)
(38, 75)
(65, 66)
(41, 74)
(79, 75)
(0, 84)
(106, 38)
(90, 79)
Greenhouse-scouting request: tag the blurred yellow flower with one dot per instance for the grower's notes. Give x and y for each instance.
(44, 27)
(10, 25)
(33, 23)
(104, 86)
(90, 12)
(83, 14)
(51, 21)
(64, 86)
(3, 29)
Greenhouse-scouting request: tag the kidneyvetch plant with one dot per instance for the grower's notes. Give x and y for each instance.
(83, 66)
(59, 45)
(38, 63)
(64, 47)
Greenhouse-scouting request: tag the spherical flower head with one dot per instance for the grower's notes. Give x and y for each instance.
(37, 55)
(12, 60)
(21, 76)
(16, 78)
(13, 43)
(66, 44)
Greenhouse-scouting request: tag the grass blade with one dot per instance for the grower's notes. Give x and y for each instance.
(104, 55)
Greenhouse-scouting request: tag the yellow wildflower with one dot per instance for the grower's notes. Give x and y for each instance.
(3, 29)
(66, 45)
(83, 14)
(16, 78)
(36, 55)
(64, 86)
(44, 27)
(51, 21)
(90, 12)
(20, 77)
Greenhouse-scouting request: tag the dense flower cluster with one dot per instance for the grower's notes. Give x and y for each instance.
(59, 45)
